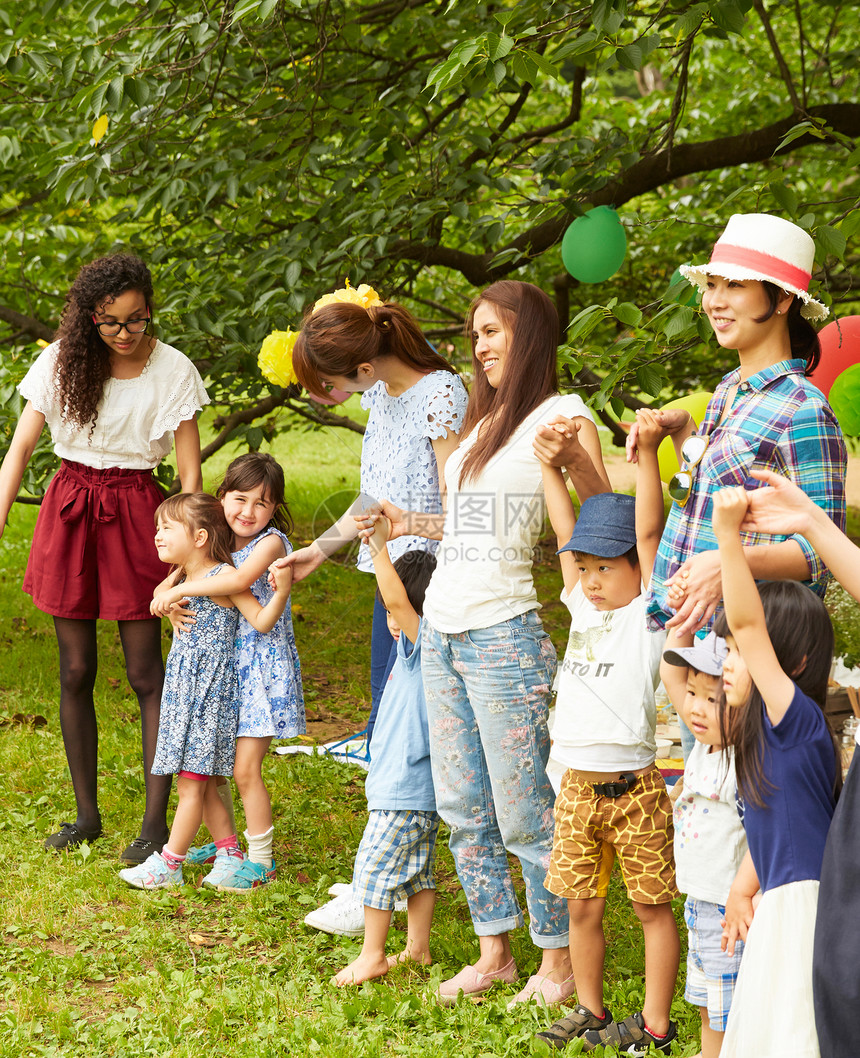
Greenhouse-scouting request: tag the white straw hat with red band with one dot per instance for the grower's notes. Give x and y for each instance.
(770, 249)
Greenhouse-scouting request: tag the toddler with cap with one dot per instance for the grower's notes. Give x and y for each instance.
(613, 800)
(710, 842)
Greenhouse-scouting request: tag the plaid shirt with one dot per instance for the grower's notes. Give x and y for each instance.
(778, 421)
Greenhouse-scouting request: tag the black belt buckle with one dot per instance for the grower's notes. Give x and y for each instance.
(624, 782)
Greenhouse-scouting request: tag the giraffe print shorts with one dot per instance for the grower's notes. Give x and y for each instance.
(590, 831)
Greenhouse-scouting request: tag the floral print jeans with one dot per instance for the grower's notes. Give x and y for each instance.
(487, 696)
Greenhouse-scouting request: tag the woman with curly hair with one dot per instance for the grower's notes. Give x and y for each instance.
(115, 399)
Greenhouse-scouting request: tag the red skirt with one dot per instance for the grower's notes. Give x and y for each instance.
(93, 552)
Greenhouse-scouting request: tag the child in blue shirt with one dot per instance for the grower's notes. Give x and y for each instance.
(398, 848)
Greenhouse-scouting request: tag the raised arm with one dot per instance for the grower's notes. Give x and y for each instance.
(649, 492)
(186, 439)
(575, 445)
(390, 585)
(562, 518)
(24, 441)
(744, 611)
(785, 508)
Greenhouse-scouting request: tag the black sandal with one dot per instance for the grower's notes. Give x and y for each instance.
(573, 1026)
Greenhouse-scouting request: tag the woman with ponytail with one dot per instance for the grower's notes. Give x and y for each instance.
(416, 402)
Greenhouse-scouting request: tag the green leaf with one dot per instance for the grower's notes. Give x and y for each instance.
(628, 313)
(831, 241)
(651, 378)
(785, 197)
(804, 128)
(113, 95)
(728, 15)
(630, 56)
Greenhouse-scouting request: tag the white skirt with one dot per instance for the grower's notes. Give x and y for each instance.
(772, 1014)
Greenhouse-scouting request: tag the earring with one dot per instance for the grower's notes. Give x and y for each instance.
(779, 312)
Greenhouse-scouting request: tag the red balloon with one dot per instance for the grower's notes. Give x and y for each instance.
(840, 348)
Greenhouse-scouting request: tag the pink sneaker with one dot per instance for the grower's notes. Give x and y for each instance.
(471, 982)
(544, 991)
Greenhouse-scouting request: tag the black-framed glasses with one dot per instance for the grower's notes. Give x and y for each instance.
(692, 453)
(111, 330)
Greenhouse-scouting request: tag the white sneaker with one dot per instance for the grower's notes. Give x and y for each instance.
(342, 888)
(343, 916)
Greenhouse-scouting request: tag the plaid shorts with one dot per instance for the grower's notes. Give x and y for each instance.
(395, 858)
(591, 830)
(711, 972)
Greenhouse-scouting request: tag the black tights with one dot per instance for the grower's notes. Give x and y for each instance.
(141, 645)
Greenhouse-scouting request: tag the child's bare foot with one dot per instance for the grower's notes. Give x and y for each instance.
(423, 958)
(364, 968)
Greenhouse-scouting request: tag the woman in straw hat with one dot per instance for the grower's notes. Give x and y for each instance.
(765, 414)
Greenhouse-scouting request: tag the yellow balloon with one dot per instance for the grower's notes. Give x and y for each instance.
(695, 404)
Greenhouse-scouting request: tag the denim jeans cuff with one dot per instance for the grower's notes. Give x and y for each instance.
(497, 926)
(559, 940)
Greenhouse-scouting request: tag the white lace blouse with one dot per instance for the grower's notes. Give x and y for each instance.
(136, 416)
(397, 458)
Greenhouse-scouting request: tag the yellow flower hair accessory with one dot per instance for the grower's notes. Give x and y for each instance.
(364, 295)
(276, 357)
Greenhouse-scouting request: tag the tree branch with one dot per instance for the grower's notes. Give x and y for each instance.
(777, 54)
(646, 175)
(26, 324)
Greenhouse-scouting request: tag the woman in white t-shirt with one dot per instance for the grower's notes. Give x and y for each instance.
(115, 398)
(488, 664)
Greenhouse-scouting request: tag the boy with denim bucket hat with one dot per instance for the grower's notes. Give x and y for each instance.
(710, 842)
(613, 800)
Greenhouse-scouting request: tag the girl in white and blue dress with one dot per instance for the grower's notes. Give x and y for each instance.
(271, 703)
(780, 645)
(200, 703)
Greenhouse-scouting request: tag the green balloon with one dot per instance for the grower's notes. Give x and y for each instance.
(845, 400)
(594, 245)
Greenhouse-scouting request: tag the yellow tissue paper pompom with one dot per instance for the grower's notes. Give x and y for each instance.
(363, 295)
(100, 128)
(276, 357)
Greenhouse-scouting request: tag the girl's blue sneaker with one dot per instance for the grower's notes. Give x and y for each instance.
(152, 874)
(246, 876)
(226, 863)
(205, 854)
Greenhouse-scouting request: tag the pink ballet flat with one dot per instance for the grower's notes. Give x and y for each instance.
(470, 982)
(544, 991)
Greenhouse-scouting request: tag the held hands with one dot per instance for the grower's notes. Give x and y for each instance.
(670, 421)
(650, 430)
(281, 576)
(695, 592)
(384, 511)
(556, 442)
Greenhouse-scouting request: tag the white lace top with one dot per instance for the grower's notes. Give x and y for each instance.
(397, 458)
(136, 416)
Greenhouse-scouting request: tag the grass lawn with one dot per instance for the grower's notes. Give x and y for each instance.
(94, 968)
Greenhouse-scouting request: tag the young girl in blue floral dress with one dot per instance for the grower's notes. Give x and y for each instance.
(271, 704)
(200, 704)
